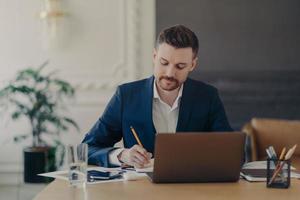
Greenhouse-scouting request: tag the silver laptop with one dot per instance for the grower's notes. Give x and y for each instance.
(198, 157)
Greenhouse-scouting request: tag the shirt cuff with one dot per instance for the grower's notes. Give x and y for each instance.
(112, 157)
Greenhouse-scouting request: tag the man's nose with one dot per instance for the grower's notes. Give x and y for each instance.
(171, 71)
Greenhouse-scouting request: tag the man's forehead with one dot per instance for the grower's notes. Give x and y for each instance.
(169, 52)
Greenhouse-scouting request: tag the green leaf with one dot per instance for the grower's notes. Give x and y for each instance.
(72, 122)
(26, 75)
(20, 138)
(42, 66)
(64, 87)
(5, 91)
(16, 115)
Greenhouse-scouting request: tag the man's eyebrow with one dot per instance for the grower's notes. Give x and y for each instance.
(164, 59)
(181, 63)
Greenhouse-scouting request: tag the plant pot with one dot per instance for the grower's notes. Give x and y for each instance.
(38, 160)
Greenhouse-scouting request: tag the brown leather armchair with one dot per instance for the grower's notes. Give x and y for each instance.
(275, 132)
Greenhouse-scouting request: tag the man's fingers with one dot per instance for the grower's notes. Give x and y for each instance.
(136, 156)
(140, 149)
(149, 155)
(137, 163)
(142, 152)
(140, 157)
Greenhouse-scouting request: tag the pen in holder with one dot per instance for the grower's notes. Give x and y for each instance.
(278, 175)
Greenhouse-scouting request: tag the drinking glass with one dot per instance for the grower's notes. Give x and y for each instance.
(77, 161)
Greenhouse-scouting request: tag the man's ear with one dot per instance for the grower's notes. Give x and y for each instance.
(194, 63)
(154, 55)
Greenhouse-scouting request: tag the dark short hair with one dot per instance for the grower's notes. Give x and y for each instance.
(179, 36)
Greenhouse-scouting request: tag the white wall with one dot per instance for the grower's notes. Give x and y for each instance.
(103, 43)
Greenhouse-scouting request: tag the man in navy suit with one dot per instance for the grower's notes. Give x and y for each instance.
(167, 102)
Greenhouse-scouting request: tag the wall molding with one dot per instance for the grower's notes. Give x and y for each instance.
(127, 68)
(11, 173)
(135, 28)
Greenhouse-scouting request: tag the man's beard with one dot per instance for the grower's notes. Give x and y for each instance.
(168, 86)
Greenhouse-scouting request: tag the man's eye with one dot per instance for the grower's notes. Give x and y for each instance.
(181, 66)
(164, 63)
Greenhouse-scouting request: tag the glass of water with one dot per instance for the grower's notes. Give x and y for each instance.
(77, 161)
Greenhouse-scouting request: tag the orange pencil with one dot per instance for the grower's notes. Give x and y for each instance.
(136, 136)
(282, 153)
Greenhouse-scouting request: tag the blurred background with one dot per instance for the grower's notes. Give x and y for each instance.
(249, 50)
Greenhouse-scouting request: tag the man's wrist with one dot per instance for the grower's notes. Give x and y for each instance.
(119, 156)
(112, 156)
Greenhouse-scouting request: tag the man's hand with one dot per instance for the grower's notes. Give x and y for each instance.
(136, 156)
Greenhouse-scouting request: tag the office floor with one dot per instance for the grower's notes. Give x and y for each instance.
(20, 192)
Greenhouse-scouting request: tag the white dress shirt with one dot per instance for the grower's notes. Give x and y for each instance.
(164, 116)
(165, 119)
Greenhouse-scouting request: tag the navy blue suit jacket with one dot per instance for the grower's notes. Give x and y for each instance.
(200, 110)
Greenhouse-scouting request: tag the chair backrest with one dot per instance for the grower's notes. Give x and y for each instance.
(275, 132)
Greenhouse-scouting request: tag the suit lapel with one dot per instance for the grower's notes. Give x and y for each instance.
(149, 102)
(185, 107)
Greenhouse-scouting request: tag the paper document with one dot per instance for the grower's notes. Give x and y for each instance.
(257, 171)
(259, 165)
(147, 168)
(63, 175)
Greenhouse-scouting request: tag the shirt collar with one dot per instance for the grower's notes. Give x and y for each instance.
(156, 95)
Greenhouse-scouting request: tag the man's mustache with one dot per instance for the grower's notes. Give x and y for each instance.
(168, 78)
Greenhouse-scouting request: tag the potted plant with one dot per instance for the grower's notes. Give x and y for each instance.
(40, 99)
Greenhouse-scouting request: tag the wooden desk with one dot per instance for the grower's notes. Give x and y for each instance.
(143, 189)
